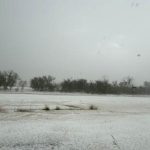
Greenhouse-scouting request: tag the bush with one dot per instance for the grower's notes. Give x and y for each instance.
(57, 108)
(23, 110)
(46, 108)
(92, 107)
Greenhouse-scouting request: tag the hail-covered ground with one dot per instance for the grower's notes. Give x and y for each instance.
(81, 122)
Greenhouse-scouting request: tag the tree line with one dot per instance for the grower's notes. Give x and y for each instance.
(9, 79)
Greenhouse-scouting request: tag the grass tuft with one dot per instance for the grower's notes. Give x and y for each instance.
(92, 107)
(57, 108)
(2, 110)
(46, 108)
(23, 110)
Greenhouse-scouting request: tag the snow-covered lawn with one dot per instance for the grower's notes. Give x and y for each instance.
(120, 123)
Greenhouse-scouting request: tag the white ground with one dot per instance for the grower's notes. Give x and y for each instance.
(120, 123)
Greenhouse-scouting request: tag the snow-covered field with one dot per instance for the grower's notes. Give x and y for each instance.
(120, 123)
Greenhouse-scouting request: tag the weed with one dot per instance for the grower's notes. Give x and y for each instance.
(46, 108)
(57, 108)
(92, 107)
(2, 110)
(23, 110)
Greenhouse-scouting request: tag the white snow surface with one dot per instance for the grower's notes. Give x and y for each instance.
(120, 123)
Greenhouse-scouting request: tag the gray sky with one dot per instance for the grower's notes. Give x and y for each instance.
(76, 38)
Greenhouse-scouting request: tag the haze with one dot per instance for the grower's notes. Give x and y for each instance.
(76, 38)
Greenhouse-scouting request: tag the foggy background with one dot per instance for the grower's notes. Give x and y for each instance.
(76, 38)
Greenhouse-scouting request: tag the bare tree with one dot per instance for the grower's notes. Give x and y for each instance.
(9, 79)
(22, 84)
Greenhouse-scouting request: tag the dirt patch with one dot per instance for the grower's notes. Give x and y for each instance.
(2, 110)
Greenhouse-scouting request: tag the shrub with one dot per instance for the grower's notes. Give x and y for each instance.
(57, 108)
(46, 108)
(23, 110)
(92, 107)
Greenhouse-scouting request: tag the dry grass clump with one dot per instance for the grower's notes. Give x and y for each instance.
(73, 107)
(23, 110)
(46, 108)
(2, 110)
(92, 107)
(57, 108)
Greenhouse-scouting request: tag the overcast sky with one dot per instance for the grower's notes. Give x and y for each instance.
(76, 38)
